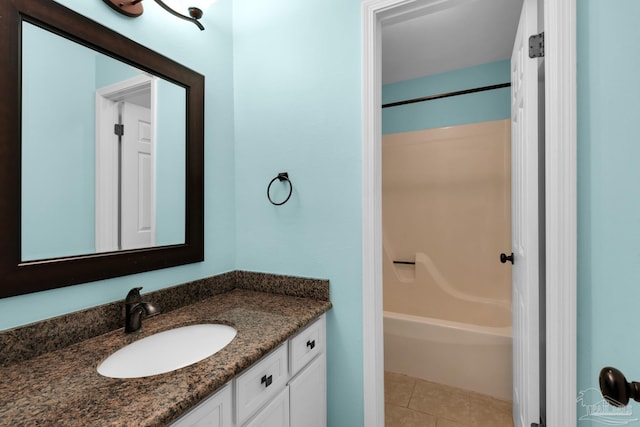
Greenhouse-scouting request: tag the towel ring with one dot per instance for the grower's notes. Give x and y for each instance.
(282, 176)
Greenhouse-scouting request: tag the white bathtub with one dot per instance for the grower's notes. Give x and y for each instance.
(471, 357)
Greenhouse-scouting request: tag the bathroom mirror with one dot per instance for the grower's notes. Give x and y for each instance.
(83, 200)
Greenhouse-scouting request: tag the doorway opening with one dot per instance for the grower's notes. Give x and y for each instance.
(446, 213)
(559, 204)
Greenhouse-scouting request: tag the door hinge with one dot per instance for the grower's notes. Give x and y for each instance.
(118, 129)
(536, 46)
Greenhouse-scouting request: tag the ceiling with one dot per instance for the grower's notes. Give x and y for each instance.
(428, 37)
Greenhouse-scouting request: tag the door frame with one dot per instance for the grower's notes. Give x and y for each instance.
(107, 172)
(560, 206)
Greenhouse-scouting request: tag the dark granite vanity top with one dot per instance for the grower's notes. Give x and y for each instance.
(62, 387)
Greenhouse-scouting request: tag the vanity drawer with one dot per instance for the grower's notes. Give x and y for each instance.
(260, 383)
(306, 345)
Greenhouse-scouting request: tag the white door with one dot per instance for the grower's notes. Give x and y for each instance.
(137, 185)
(524, 193)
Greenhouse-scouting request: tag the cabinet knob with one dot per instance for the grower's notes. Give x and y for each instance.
(266, 380)
(311, 344)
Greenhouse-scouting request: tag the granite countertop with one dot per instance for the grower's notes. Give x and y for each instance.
(62, 387)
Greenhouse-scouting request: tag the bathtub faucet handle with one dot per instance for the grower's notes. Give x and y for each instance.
(504, 258)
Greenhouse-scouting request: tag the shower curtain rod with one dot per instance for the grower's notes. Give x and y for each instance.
(446, 95)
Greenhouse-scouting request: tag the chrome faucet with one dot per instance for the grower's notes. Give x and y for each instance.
(134, 307)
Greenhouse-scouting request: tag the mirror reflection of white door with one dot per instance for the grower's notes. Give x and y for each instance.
(125, 165)
(137, 209)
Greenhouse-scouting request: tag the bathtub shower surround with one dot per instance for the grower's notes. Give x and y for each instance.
(446, 219)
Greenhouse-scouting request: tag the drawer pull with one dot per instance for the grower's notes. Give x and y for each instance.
(311, 344)
(266, 380)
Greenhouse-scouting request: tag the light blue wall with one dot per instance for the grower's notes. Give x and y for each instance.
(297, 109)
(608, 192)
(457, 110)
(109, 71)
(210, 53)
(58, 178)
(170, 163)
(297, 80)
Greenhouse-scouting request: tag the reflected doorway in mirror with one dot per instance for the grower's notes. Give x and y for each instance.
(125, 164)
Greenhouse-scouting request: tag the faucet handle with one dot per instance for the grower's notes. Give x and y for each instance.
(134, 295)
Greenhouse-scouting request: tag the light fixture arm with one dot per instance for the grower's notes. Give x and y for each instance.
(133, 9)
(193, 11)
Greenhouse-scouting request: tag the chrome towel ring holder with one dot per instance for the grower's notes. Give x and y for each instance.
(282, 176)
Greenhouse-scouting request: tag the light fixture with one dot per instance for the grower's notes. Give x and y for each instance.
(133, 9)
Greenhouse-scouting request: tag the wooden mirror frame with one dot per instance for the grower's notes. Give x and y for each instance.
(18, 277)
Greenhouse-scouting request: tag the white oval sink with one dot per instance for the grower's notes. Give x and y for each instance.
(167, 351)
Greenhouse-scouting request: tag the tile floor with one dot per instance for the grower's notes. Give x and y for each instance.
(411, 402)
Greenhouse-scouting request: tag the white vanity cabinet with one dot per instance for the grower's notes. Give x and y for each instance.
(214, 411)
(286, 388)
(258, 385)
(304, 400)
(308, 395)
(274, 414)
(308, 383)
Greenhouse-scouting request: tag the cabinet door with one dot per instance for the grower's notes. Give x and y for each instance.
(215, 411)
(261, 383)
(308, 395)
(275, 414)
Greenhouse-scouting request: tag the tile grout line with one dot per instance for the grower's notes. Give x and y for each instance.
(413, 390)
